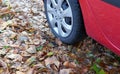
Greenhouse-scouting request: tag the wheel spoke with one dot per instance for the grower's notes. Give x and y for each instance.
(67, 12)
(53, 21)
(54, 3)
(66, 26)
(50, 9)
(60, 2)
(60, 31)
(59, 15)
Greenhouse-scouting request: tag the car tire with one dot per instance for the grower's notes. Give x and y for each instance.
(65, 20)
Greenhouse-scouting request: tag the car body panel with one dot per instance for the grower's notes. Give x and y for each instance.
(102, 22)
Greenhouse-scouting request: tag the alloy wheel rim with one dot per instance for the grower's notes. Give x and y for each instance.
(60, 16)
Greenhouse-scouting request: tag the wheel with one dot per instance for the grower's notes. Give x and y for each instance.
(65, 20)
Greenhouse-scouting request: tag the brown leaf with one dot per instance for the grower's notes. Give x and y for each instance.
(30, 71)
(41, 55)
(58, 42)
(52, 60)
(84, 70)
(69, 64)
(0, 1)
(66, 64)
(5, 10)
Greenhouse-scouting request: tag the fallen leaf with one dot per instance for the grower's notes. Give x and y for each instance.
(102, 72)
(1, 70)
(1, 21)
(30, 71)
(38, 66)
(31, 49)
(16, 65)
(31, 60)
(3, 52)
(36, 41)
(13, 35)
(5, 24)
(84, 70)
(65, 71)
(25, 54)
(0, 1)
(69, 64)
(41, 55)
(50, 54)
(3, 64)
(52, 60)
(66, 64)
(19, 72)
(39, 48)
(14, 57)
(22, 38)
(58, 42)
(96, 68)
(4, 10)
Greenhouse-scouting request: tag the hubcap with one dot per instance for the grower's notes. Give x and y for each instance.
(60, 16)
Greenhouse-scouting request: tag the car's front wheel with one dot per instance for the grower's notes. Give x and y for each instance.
(65, 19)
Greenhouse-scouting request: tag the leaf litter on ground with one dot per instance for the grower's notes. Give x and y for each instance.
(27, 45)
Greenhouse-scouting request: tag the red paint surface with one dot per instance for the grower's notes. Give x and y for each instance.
(102, 22)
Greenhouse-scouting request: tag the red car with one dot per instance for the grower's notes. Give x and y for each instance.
(69, 19)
